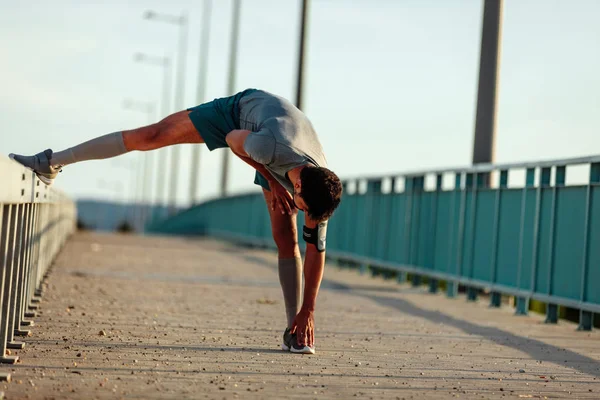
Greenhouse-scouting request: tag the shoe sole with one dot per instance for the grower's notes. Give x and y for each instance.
(304, 350)
(47, 181)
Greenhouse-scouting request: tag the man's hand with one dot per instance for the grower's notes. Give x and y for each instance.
(304, 327)
(281, 198)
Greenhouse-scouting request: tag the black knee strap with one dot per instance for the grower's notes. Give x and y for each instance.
(316, 236)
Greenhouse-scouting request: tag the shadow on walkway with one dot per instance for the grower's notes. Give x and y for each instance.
(536, 349)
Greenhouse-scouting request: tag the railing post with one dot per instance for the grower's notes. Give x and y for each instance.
(374, 187)
(473, 183)
(452, 286)
(586, 318)
(433, 283)
(388, 245)
(7, 245)
(523, 309)
(33, 245)
(26, 260)
(552, 309)
(413, 185)
(522, 303)
(4, 376)
(496, 297)
(15, 316)
(30, 256)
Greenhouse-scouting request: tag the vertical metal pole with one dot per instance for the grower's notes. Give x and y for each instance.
(12, 268)
(231, 85)
(27, 260)
(485, 120)
(16, 318)
(389, 245)
(163, 153)
(301, 52)
(523, 307)
(452, 286)
(477, 181)
(433, 283)
(34, 260)
(417, 184)
(201, 94)
(496, 297)
(7, 246)
(179, 105)
(552, 309)
(522, 303)
(146, 178)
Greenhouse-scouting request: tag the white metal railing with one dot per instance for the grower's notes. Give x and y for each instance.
(35, 222)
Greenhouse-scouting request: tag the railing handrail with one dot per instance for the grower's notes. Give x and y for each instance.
(481, 168)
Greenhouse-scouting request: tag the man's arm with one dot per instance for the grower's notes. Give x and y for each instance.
(314, 265)
(235, 139)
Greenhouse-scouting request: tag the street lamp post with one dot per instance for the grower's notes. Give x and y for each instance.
(487, 93)
(165, 63)
(200, 94)
(182, 22)
(301, 53)
(143, 184)
(235, 24)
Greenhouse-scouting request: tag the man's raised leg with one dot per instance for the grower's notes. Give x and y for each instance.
(175, 129)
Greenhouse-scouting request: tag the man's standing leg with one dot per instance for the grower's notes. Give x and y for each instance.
(285, 234)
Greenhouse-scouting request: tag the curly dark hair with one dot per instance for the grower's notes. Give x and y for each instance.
(321, 191)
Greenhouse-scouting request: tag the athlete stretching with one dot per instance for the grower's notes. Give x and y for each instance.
(279, 142)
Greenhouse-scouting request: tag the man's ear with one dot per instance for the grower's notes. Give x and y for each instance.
(298, 185)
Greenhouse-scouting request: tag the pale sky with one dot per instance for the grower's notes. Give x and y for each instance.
(390, 84)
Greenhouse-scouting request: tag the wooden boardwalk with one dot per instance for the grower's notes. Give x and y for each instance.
(155, 318)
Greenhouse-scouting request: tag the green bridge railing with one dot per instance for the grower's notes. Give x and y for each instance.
(514, 229)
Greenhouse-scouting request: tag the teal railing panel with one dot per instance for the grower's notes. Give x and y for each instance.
(367, 229)
(542, 265)
(425, 238)
(509, 228)
(527, 250)
(443, 232)
(466, 238)
(592, 280)
(483, 240)
(568, 242)
(456, 227)
(539, 239)
(381, 236)
(397, 237)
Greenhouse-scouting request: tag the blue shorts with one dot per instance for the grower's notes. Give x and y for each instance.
(215, 119)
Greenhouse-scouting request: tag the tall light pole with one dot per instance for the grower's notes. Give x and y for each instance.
(165, 63)
(235, 25)
(182, 22)
(487, 95)
(200, 94)
(143, 184)
(301, 52)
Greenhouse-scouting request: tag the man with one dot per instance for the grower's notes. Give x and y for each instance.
(279, 142)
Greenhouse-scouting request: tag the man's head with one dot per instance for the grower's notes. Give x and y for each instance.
(318, 192)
